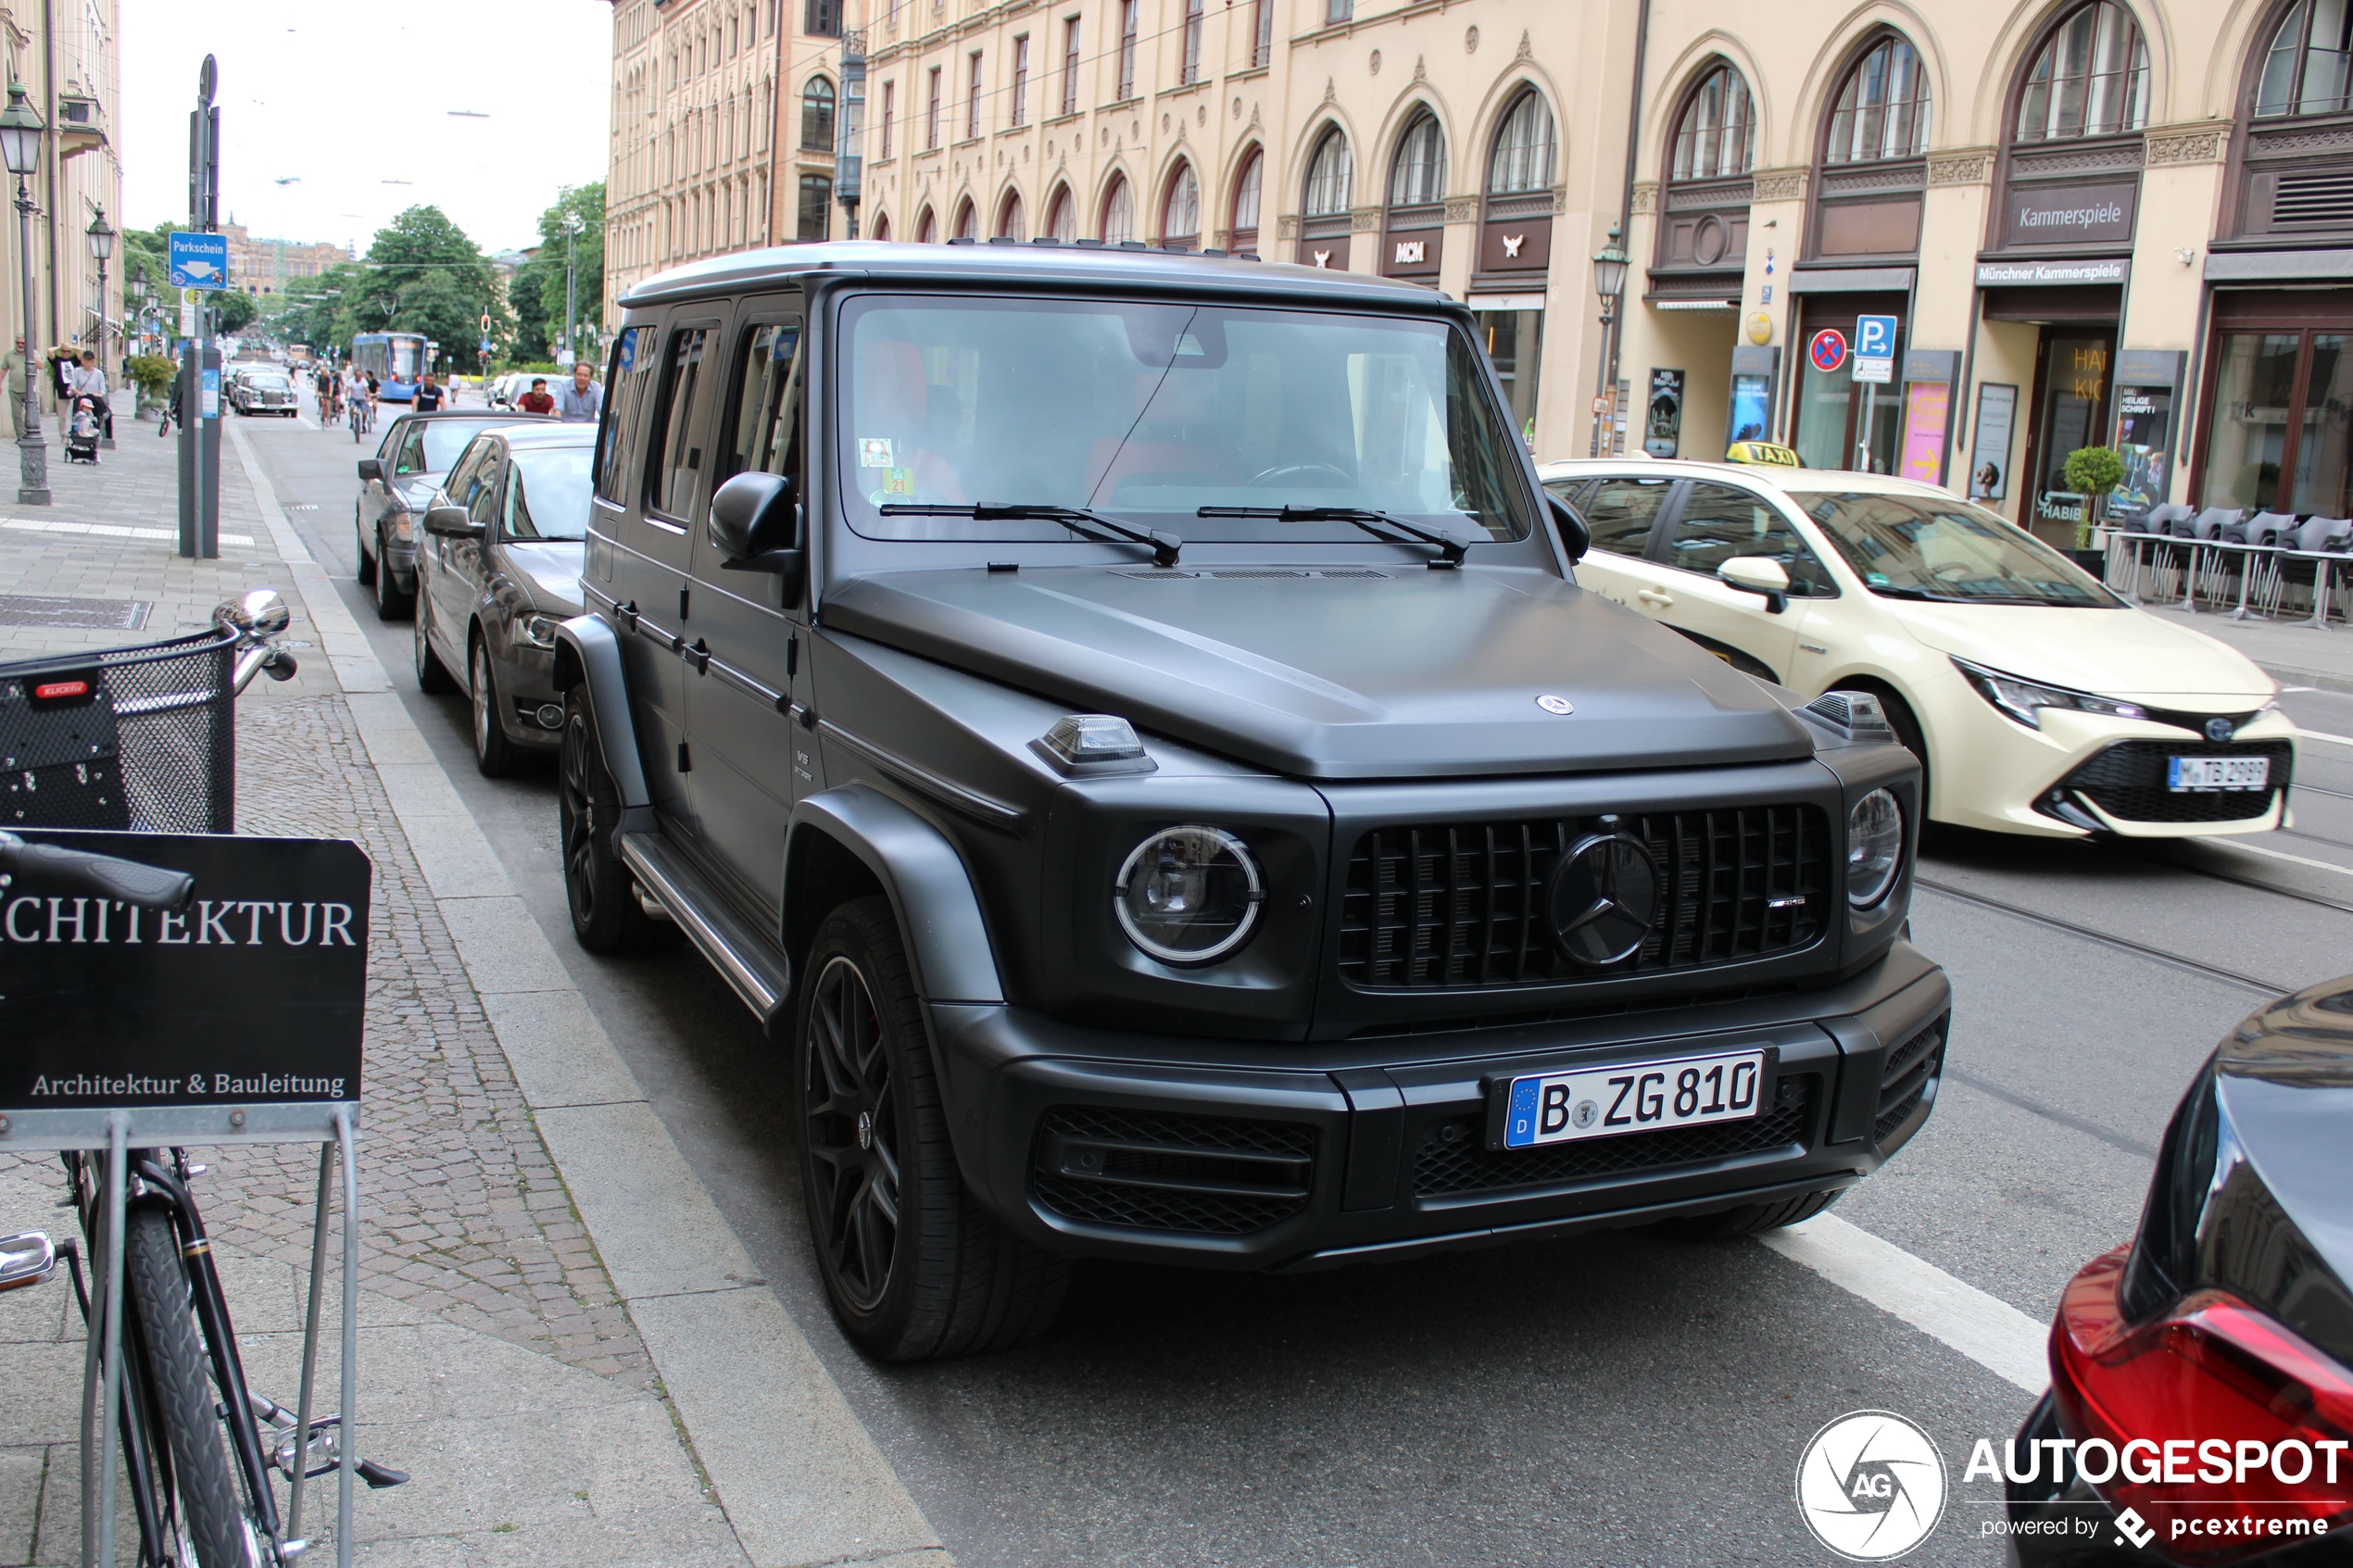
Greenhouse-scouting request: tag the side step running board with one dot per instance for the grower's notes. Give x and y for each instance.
(734, 946)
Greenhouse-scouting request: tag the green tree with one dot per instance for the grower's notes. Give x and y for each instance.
(233, 309)
(537, 290)
(424, 275)
(2092, 472)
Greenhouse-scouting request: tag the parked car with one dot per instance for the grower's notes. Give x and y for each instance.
(2226, 1324)
(1127, 722)
(2038, 701)
(263, 390)
(396, 486)
(497, 567)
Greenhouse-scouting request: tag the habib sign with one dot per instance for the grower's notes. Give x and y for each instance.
(2068, 215)
(255, 994)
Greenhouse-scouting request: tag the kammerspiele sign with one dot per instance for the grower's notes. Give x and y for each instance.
(255, 994)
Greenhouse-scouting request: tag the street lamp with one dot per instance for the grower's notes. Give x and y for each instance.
(1609, 283)
(572, 225)
(102, 235)
(20, 130)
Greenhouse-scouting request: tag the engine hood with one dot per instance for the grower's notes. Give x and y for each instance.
(1352, 674)
(2121, 653)
(553, 568)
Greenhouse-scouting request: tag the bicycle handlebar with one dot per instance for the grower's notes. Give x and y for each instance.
(150, 887)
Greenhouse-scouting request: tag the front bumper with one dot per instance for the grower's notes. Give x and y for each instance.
(1099, 1143)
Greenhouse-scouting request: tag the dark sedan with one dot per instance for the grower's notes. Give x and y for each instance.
(398, 483)
(2202, 1374)
(500, 566)
(263, 391)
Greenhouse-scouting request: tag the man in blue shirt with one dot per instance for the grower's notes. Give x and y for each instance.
(582, 399)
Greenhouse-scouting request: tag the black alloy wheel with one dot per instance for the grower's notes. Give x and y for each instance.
(391, 602)
(606, 916)
(915, 1268)
(433, 676)
(365, 572)
(495, 755)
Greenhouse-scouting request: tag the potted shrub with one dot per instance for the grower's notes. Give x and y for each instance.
(2092, 472)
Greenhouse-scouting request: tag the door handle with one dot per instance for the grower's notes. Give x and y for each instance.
(1654, 598)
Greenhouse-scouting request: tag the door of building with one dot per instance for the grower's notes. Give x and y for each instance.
(1838, 421)
(2071, 370)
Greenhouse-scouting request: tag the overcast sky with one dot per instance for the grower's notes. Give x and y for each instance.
(339, 100)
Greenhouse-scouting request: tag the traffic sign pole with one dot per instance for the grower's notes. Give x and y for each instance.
(200, 261)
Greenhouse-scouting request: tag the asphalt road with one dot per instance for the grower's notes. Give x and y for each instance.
(1615, 1399)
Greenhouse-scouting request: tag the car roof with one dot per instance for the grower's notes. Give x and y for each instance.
(1845, 480)
(540, 430)
(1131, 265)
(496, 415)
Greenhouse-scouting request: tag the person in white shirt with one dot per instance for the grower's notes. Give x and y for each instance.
(86, 379)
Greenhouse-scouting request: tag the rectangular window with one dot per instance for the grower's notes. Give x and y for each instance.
(675, 464)
(890, 92)
(1021, 81)
(1338, 11)
(632, 362)
(1263, 30)
(821, 19)
(764, 437)
(816, 206)
(1191, 72)
(972, 95)
(1126, 50)
(1070, 65)
(931, 114)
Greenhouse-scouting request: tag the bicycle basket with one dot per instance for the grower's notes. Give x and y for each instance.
(136, 738)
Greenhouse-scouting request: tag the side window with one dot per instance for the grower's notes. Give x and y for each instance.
(766, 421)
(1568, 490)
(675, 462)
(1621, 512)
(482, 492)
(387, 448)
(412, 452)
(631, 373)
(1719, 522)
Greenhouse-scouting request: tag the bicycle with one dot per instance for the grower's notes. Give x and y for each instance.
(357, 414)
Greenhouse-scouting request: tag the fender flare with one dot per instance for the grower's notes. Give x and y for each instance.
(930, 891)
(587, 650)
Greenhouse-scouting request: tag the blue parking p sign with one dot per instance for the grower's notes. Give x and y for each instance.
(199, 261)
(1874, 337)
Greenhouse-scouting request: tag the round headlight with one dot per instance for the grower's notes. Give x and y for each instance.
(1874, 847)
(1189, 895)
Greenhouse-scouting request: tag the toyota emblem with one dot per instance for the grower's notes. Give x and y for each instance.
(1555, 705)
(2218, 730)
(1604, 899)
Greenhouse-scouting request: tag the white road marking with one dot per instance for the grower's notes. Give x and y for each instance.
(1986, 1329)
(2304, 733)
(2282, 854)
(2299, 688)
(110, 530)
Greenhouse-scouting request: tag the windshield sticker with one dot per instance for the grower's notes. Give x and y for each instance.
(901, 483)
(873, 452)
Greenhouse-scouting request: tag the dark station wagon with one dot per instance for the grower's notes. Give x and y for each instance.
(1128, 725)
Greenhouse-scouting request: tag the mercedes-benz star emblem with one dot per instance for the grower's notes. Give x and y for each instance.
(1604, 899)
(1555, 705)
(2218, 730)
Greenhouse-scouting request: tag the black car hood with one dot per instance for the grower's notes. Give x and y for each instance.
(553, 567)
(1345, 674)
(2284, 1079)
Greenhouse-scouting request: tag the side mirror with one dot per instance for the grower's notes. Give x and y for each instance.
(1758, 574)
(452, 523)
(261, 613)
(755, 526)
(1576, 538)
(372, 471)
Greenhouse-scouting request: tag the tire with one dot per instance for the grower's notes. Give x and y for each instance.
(915, 1267)
(606, 916)
(365, 572)
(391, 602)
(1908, 731)
(495, 755)
(433, 676)
(211, 1511)
(1749, 1219)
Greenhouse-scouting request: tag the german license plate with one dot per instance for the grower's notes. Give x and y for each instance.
(1641, 1097)
(2218, 772)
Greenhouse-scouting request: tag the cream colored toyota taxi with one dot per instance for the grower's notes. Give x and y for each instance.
(2040, 702)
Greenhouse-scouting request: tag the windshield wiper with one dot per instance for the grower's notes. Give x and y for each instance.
(1164, 545)
(1452, 546)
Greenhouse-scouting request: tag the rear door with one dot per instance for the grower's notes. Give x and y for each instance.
(1714, 523)
(1624, 512)
(751, 758)
(456, 573)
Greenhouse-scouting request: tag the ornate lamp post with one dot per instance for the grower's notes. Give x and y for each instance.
(20, 131)
(102, 236)
(1609, 283)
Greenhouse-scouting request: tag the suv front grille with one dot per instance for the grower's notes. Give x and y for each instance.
(1431, 905)
(2127, 781)
(1454, 1159)
(1163, 1170)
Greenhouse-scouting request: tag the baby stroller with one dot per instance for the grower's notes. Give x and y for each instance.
(82, 435)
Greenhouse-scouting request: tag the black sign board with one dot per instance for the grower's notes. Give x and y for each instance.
(255, 994)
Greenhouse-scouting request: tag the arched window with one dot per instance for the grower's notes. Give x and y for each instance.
(1062, 216)
(1008, 217)
(1119, 211)
(1245, 215)
(1418, 177)
(2308, 69)
(1524, 148)
(1180, 214)
(967, 222)
(1717, 137)
(817, 114)
(2092, 79)
(1330, 173)
(1882, 108)
(881, 227)
(927, 229)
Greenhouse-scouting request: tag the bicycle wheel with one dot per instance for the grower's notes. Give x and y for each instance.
(210, 1510)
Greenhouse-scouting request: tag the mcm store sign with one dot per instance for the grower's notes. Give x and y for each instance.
(254, 994)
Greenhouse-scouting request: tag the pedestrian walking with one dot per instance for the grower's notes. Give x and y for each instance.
(12, 364)
(86, 379)
(582, 399)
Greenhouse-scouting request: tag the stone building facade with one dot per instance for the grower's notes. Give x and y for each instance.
(267, 266)
(70, 59)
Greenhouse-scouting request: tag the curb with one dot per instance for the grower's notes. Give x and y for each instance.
(2321, 679)
(800, 1481)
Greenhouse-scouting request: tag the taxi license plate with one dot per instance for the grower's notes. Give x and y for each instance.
(2218, 772)
(1638, 1097)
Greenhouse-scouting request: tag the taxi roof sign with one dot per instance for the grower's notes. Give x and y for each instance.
(1763, 452)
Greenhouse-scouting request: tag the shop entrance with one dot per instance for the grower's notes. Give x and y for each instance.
(1512, 327)
(1840, 422)
(2072, 369)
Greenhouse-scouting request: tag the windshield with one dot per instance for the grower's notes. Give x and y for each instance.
(1150, 411)
(548, 494)
(444, 440)
(1908, 547)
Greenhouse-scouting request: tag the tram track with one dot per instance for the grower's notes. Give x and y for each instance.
(2109, 938)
